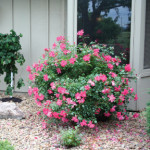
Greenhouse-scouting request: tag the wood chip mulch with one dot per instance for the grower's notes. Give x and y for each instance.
(27, 134)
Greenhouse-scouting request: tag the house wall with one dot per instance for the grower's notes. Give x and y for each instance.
(40, 22)
(142, 84)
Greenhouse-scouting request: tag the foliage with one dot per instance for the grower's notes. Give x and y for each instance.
(148, 117)
(70, 137)
(82, 83)
(9, 56)
(5, 145)
(107, 29)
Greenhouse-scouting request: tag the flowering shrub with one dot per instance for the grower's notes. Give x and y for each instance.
(81, 83)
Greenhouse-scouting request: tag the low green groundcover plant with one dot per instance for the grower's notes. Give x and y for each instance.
(148, 117)
(80, 84)
(70, 138)
(5, 145)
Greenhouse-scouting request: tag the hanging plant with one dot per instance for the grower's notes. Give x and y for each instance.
(9, 57)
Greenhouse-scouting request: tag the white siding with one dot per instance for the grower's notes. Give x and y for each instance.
(40, 22)
(5, 25)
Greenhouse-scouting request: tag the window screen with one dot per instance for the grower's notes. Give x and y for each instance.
(147, 37)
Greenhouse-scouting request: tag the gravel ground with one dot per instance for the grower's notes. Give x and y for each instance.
(27, 134)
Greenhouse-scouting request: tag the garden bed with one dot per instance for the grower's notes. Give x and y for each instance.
(27, 134)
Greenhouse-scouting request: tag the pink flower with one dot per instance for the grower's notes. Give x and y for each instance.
(113, 109)
(50, 91)
(54, 46)
(111, 98)
(61, 90)
(87, 87)
(81, 101)
(113, 75)
(58, 70)
(41, 97)
(86, 57)
(48, 102)
(97, 111)
(90, 125)
(117, 89)
(57, 95)
(77, 96)
(75, 119)
(110, 66)
(83, 123)
(60, 38)
(49, 114)
(46, 49)
(63, 63)
(98, 31)
(44, 125)
(113, 83)
(83, 94)
(62, 46)
(103, 77)
(121, 117)
(127, 68)
(72, 60)
(52, 84)
(80, 33)
(106, 91)
(97, 78)
(118, 114)
(38, 113)
(107, 58)
(30, 91)
(63, 113)
(136, 115)
(56, 115)
(91, 82)
(107, 114)
(52, 54)
(59, 102)
(31, 77)
(64, 119)
(45, 77)
(125, 92)
(132, 90)
(121, 97)
(66, 51)
(35, 90)
(45, 111)
(135, 97)
(96, 50)
(28, 69)
(43, 56)
(76, 56)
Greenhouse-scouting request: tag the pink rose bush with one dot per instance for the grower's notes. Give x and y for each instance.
(80, 84)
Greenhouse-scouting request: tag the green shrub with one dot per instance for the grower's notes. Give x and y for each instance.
(70, 138)
(9, 56)
(82, 83)
(148, 117)
(5, 145)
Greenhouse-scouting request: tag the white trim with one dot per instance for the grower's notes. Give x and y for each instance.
(72, 21)
(137, 35)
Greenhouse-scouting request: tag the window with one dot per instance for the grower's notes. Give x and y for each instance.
(107, 22)
(147, 37)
